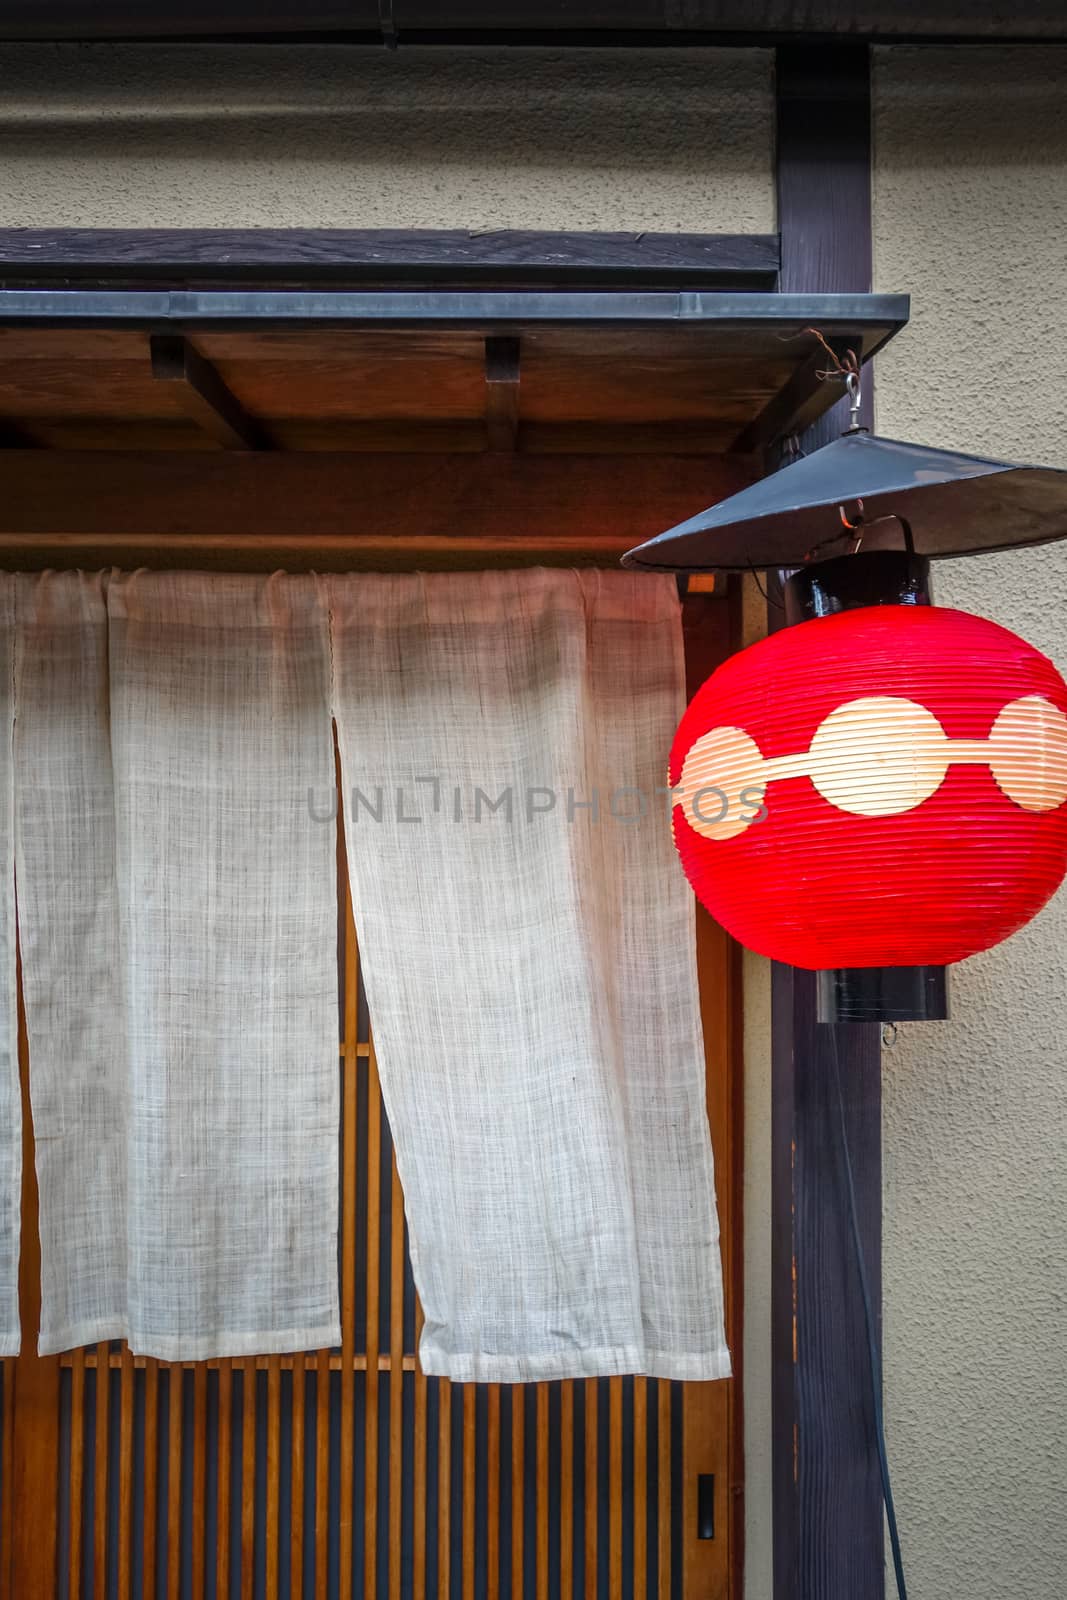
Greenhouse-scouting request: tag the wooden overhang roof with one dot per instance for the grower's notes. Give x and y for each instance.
(248, 426)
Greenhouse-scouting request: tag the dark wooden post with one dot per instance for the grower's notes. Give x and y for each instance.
(828, 1529)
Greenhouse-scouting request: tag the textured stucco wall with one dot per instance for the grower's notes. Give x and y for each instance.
(285, 136)
(970, 200)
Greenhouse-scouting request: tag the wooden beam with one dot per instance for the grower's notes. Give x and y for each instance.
(828, 1520)
(638, 22)
(317, 508)
(203, 395)
(801, 399)
(453, 255)
(502, 392)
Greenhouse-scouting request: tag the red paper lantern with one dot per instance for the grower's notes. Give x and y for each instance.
(911, 762)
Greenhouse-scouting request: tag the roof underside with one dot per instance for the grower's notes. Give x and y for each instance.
(606, 371)
(257, 428)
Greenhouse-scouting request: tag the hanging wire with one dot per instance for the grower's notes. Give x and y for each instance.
(771, 601)
(873, 1357)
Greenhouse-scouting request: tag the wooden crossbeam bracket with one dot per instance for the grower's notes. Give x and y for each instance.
(502, 392)
(203, 394)
(800, 400)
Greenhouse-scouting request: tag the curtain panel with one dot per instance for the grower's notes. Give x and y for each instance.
(170, 818)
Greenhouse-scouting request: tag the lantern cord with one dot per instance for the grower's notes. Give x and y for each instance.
(771, 601)
(874, 1358)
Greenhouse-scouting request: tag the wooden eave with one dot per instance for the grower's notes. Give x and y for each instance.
(324, 426)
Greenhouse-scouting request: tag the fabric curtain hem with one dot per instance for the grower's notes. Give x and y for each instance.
(609, 1363)
(218, 1347)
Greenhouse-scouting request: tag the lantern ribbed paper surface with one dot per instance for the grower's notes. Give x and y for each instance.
(881, 787)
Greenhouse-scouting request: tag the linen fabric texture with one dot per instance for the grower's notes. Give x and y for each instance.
(177, 908)
(531, 977)
(527, 942)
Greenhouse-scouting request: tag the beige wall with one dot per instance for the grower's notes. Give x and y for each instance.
(286, 136)
(970, 199)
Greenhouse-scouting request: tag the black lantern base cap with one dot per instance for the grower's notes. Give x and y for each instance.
(882, 994)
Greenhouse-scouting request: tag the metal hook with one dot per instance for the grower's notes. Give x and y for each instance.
(852, 384)
(851, 526)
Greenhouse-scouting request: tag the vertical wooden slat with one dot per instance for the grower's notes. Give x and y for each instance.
(174, 1481)
(77, 1465)
(664, 1487)
(640, 1488)
(274, 1464)
(470, 1396)
(248, 1479)
(348, 1242)
(34, 1392)
(517, 1394)
(493, 1495)
(418, 1575)
(591, 1484)
(100, 1473)
(542, 1491)
(444, 1489)
(374, 1166)
(615, 1488)
(566, 1491)
(225, 1471)
(125, 1474)
(7, 1369)
(396, 1385)
(199, 1491)
(151, 1478)
(322, 1468)
(296, 1514)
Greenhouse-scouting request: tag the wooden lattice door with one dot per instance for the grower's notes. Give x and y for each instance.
(347, 1473)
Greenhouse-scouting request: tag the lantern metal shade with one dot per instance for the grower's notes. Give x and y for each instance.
(954, 504)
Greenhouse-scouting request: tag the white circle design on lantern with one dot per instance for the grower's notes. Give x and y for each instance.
(876, 756)
(879, 756)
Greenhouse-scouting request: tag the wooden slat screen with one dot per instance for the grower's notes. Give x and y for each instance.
(347, 1474)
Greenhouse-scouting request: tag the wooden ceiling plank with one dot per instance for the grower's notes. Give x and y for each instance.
(203, 395)
(502, 392)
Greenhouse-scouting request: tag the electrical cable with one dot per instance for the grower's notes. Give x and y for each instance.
(874, 1359)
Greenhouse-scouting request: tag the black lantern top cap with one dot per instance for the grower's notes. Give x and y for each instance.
(865, 489)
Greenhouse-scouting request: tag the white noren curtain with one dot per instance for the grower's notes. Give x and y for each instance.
(166, 774)
(177, 909)
(528, 947)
